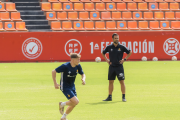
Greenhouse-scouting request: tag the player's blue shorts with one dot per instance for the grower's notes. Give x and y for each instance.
(69, 93)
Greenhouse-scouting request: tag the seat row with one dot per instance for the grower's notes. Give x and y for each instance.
(10, 7)
(7, 16)
(110, 6)
(113, 16)
(11, 26)
(113, 0)
(116, 25)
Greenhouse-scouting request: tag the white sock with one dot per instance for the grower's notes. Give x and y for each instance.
(63, 104)
(64, 115)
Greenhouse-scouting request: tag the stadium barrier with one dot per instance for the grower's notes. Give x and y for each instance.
(56, 46)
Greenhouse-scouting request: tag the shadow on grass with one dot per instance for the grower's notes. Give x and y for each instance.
(104, 102)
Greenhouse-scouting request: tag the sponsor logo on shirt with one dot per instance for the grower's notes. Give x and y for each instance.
(119, 49)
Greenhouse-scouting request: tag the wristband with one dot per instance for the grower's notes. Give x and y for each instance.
(124, 59)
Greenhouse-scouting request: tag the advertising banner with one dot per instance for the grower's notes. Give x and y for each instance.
(56, 46)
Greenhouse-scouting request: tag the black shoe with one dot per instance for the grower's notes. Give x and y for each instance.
(108, 99)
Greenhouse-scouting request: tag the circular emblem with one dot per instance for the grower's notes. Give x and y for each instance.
(50, 15)
(121, 25)
(73, 46)
(153, 6)
(0, 6)
(164, 24)
(110, 6)
(94, 15)
(137, 15)
(9, 26)
(171, 46)
(67, 6)
(78, 25)
(32, 48)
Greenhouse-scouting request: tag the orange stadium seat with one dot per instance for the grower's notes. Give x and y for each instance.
(106, 1)
(126, 16)
(9, 26)
(111, 25)
(67, 6)
(57, 7)
(177, 15)
(5, 16)
(51, 16)
(94, 16)
(15, 16)
(75, 1)
(1, 27)
(174, 6)
(116, 16)
(154, 25)
(53, 1)
(84, 15)
(78, 25)
(21, 26)
(169, 16)
(85, 0)
(177, 0)
(106, 15)
(159, 15)
(2, 7)
(148, 16)
(78, 7)
(46, 6)
(62, 16)
(163, 6)
(132, 6)
(11, 7)
(143, 25)
(100, 6)
(175, 25)
(89, 25)
(64, 1)
(56, 26)
(72, 15)
(142, 6)
(96, 1)
(132, 25)
(153, 6)
(138, 0)
(67, 25)
(100, 25)
(127, 0)
(122, 25)
(169, 0)
(89, 6)
(159, 0)
(110, 6)
(149, 0)
(117, 0)
(137, 15)
(121, 7)
(165, 25)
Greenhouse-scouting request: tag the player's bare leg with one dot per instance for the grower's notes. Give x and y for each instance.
(123, 90)
(111, 87)
(71, 104)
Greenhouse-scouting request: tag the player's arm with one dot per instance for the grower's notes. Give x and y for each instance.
(128, 55)
(103, 54)
(83, 78)
(56, 85)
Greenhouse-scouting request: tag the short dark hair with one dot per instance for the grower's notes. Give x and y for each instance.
(75, 55)
(114, 34)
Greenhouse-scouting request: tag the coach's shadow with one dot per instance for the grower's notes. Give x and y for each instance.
(103, 102)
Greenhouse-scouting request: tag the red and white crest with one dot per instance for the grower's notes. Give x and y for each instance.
(32, 48)
(171, 46)
(73, 46)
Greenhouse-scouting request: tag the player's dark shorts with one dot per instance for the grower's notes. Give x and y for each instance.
(116, 71)
(69, 93)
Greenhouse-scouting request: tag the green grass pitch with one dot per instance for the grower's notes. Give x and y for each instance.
(152, 92)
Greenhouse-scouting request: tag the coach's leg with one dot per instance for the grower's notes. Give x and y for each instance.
(111, 86)
(123, 87)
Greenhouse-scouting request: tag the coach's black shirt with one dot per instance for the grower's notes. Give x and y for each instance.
(116, 53)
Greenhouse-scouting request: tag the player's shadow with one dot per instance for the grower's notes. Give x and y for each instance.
(104, 102)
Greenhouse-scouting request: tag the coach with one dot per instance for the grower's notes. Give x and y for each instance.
(116, 51)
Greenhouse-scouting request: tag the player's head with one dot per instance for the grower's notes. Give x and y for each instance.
(115, 38)
(75, 58)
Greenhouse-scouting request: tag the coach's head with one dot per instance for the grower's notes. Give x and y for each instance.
(75, 58)
(115, 38)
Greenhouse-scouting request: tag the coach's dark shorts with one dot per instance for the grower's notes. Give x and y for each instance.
(116, 71)
(69, 93)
